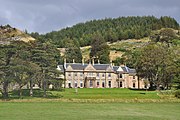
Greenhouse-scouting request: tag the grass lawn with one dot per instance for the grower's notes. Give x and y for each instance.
(95, 94)
(88, 111)
(101, 93)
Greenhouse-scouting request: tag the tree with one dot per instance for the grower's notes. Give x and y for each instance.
(99, 49)
(111, 29)
(72, 50)
(6, 53)
(46, 56)
(165, 35)
(156, 63)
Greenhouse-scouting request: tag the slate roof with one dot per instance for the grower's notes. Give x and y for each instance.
(115, 68)
(101, 66)
(77, 66)
(80, 66)
(132, 71)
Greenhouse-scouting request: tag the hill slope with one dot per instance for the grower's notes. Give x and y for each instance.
(117, 49)
(8, 34)
(112, 30)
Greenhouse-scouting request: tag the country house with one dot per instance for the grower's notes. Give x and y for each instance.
(92, 75)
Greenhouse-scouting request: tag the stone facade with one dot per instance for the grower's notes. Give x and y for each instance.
(99, 76)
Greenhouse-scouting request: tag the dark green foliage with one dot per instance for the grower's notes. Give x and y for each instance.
(118, 61)
(111, 29)
(166, 35)
(46, 56)
(177, 94)
(72, 50)
(99, 49)
(24, 63)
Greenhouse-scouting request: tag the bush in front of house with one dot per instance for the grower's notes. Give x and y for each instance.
(177, 94)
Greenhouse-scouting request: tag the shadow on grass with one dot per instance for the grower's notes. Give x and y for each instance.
(37, 93)
(134, 89)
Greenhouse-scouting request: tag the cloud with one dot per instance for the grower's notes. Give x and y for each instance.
(47, 15)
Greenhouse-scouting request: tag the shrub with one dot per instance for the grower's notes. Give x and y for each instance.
(177, 94)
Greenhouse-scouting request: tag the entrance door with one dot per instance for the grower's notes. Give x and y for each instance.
(91, 84)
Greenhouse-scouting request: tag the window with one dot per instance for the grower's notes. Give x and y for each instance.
(75, 74)
(97, 83)
(103, 75)
(103, 85)
(69, 74)
(120, 84)
(97, 74)
(81, 74)
(75, 84)
(81, 84)
(109, 75)
(90, 74)
(120, 75)
(134, 85)
(133, 77)
(69, 85)
(109, 83)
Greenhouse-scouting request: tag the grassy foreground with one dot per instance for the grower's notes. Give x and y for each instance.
(106, 93)
(90, 104)
(88, 95)
(89, 111)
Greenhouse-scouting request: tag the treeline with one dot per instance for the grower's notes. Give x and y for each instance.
(158, 61)
(112, 29)
(31, 63)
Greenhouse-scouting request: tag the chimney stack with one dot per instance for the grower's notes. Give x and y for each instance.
(65, 63)
(122, 65)
(73, 61)
(111, 62)
(98, 61)
(83, 61)
(92, 61)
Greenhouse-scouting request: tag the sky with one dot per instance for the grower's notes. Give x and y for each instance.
(49, 15)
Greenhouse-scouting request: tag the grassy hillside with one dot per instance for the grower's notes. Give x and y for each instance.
(117, 49)
(8, 34)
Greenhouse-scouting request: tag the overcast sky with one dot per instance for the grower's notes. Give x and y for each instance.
(48, 15)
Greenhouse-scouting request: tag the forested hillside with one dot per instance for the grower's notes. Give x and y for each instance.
(112, 29)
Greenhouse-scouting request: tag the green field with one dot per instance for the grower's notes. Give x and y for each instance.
(96, 95)
(101, 93)
(91, 94)
(91, 104)
(89, 111)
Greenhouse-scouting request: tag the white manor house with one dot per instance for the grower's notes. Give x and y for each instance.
(92, 75)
